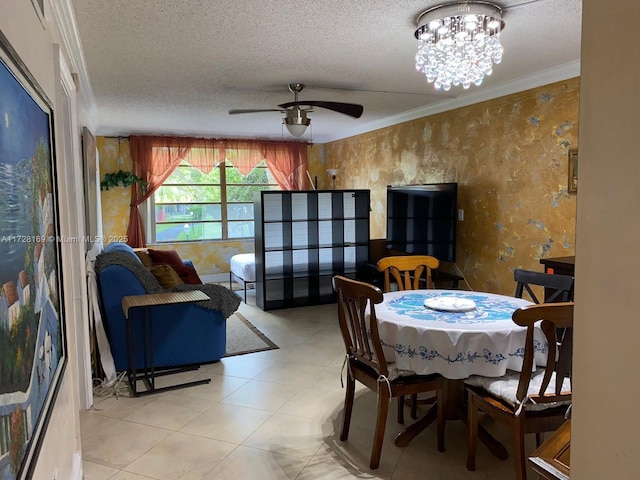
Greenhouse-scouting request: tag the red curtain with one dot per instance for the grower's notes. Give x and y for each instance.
(155, 159)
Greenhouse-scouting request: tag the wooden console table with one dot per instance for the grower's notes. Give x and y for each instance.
(149, 373)
(551, 459)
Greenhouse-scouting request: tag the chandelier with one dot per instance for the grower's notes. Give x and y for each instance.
(459, 42)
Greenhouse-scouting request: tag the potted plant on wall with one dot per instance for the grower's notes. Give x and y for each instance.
(122, 178)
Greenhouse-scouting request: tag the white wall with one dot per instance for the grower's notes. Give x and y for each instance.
(36, 44)
(605, 441)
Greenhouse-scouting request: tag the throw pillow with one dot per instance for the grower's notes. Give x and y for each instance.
(188, 274)
(166, 275)
(165, 257)
(144, 257)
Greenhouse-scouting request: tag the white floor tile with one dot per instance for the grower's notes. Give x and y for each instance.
(252, 463)
(227, 422)
(181, 457)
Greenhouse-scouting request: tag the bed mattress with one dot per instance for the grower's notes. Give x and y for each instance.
(244, 266)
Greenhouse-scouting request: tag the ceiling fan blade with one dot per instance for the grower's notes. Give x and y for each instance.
(236, 111)
(351, 109)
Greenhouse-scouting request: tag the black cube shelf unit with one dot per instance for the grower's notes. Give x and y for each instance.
(303, 239)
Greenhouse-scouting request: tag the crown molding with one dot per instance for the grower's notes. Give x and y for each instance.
(544, 77)
(64, 17)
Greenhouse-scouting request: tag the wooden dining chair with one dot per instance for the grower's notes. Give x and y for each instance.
(558, 287)
(367, 365)
(410, 272)
(530, 401)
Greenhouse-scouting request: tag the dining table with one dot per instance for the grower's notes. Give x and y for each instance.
(455, 333)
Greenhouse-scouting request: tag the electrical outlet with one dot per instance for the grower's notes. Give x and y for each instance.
(461, 215)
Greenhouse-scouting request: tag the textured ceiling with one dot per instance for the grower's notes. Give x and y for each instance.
(179, 66)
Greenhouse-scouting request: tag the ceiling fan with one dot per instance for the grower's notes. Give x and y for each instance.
(296, 119)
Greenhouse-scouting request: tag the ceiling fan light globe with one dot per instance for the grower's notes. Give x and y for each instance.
(296, 122)
(296, 130)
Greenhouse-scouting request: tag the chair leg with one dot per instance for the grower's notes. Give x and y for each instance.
(441, 419)
(348, 407)
(519, 451)
(472, 430)
(538, 439)
(381, 423)
(414, 406)
(401, 409)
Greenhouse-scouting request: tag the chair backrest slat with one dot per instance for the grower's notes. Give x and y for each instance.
(554, 317)
(408, 271)
(561, 285)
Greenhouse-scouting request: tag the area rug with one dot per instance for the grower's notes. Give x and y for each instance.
(235, 286)
(244, 337)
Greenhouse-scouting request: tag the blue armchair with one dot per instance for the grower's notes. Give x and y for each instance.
(183, 334)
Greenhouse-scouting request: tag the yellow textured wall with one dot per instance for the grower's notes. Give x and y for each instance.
(210, 257)
(115, 201)
(510, 159)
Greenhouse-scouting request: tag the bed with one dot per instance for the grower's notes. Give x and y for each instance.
(243, 269)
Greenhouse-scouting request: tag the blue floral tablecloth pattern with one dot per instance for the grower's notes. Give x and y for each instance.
(483, 341)
(488, 308)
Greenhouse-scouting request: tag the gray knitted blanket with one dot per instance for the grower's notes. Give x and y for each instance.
(220, 298)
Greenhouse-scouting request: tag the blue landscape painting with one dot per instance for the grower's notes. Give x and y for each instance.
(31, 336)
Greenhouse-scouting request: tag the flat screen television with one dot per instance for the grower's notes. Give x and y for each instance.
(421, 219)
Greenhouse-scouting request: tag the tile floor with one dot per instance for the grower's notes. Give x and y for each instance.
(269, 415)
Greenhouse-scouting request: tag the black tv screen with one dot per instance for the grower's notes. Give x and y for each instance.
(421, 219)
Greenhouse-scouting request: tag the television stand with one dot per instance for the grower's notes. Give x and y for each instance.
(439, 276)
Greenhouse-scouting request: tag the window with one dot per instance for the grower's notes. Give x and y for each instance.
(194, 206)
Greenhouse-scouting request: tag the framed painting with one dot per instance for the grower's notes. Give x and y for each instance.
(33, 350)
(572, 182)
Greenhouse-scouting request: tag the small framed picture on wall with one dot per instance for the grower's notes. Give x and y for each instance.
(572, 183)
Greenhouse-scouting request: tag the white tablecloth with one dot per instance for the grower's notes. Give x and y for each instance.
(484, 341)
